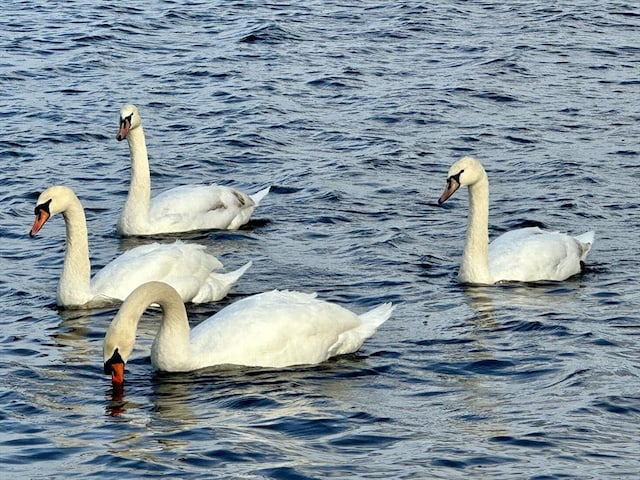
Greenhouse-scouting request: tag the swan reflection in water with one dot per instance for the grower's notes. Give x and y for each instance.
(478, 349)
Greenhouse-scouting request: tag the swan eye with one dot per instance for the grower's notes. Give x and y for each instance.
(455, 178)
(43, 207)
(127, 119)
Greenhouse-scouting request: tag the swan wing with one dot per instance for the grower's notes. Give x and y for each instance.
(193, 207)
(280, 328)
(532, 254)
(186, 267)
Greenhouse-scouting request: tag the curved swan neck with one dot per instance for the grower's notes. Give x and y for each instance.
(74, 285)
(475, 259)
(172, 341)
(171, 345)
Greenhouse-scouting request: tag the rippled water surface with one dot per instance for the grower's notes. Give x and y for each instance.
(353, 112)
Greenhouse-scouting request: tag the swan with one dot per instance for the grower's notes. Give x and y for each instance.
(272, 329)
(523, 255)
(187, 267)
(180, 209)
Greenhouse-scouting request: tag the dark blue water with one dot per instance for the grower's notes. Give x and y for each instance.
(353, 112)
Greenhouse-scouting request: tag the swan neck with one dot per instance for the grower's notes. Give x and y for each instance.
(171, 350)
(475, 259)
(171, 346)
(74, 285)
(140, 187)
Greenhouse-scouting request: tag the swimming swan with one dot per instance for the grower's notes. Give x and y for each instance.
(180, 209)
(187, 267)
(524, 255)
(272, 329)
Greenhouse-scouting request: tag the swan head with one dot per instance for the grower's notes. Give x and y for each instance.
(466, 171)
(52, 201)
(114, 366)
(129, 120)
(118, 345)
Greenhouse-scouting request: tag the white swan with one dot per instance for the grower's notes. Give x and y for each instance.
(524, 255)
(180, 209)
(272, 329)
(188, 268)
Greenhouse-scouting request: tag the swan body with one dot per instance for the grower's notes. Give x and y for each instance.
(524, 255)
(272, 329)
(180, 209)
(187, 267)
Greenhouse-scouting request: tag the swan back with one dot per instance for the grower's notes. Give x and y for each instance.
(532, 254)
(283, 328)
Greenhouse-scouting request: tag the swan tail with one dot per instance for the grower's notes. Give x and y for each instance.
(375, 317)
(586, 239)
(351, 340)
(258, 196)
(218, 285)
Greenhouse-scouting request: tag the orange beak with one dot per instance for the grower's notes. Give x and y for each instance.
(117, 373)
(115, 367)
(41, 218)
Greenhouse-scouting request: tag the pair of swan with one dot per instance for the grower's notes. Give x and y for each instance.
(188, 268)
(523, 255)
